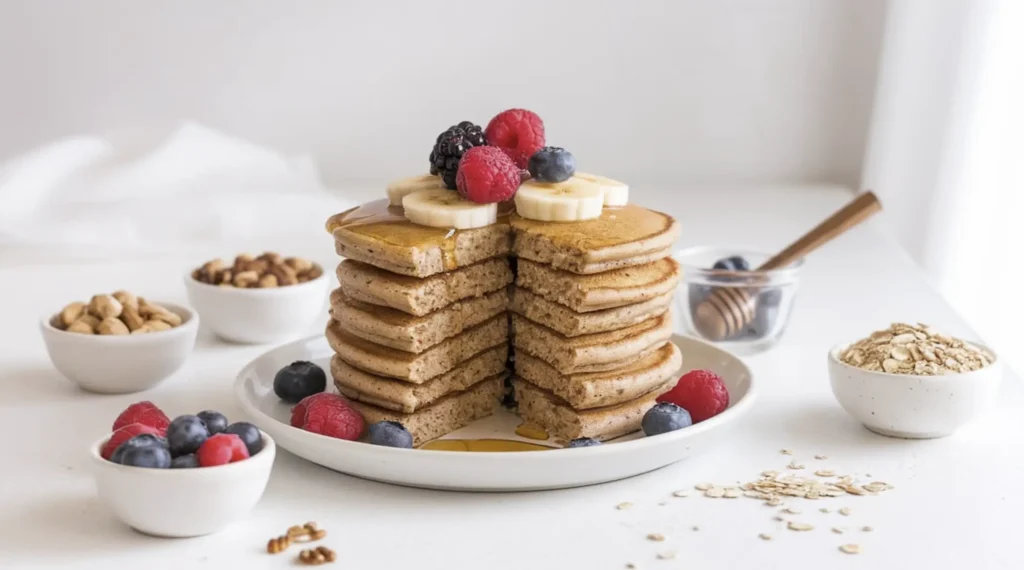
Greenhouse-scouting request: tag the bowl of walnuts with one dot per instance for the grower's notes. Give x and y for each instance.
(119, 343)
(256, 300)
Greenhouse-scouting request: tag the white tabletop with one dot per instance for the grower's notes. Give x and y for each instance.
(954, 504)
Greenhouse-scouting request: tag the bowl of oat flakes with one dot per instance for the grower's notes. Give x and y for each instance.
(912, 381)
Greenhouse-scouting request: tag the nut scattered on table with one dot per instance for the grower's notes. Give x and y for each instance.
(317, 556)
(916, 350)
(119, 313)
(266, 271)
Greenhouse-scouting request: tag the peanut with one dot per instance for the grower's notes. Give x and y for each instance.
(126, 299)
(279, 544)
(285, 274)
(268, 280)
(83, 326)
(112, 325)
(246, 279)
(71, 313)
(298, 264)
(131, 317)
(104, 306)
(317, 556)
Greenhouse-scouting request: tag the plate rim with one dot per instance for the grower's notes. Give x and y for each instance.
(733, 412)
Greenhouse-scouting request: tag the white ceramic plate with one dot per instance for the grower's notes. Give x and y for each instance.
(462, 471)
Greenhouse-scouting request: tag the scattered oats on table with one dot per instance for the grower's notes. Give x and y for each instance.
(623, 506)
(850, 548)
(799, 526)
(845, 511)
(656, 537)
(764, 536)
(667, 555)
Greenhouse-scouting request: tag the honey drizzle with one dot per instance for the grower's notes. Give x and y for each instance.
(531, 431)
(482, 445)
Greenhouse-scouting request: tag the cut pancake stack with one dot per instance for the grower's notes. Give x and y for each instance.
(419, 324)
(591, 321)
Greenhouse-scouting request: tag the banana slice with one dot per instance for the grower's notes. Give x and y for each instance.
(615, 193)
(443, 208)
(398, 189)
(569, 201)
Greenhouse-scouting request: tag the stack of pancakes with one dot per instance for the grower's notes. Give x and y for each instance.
(591, 322)
(419, 324)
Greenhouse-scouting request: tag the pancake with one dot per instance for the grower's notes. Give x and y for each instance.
(592, 352)
(379, 234)
(600, 389)
(443, 416)
(395, 329)
(376, 286)
(561, 422)
(621, 237)
(570, 323)
(400, 396)
(586, 293)
(417, 368)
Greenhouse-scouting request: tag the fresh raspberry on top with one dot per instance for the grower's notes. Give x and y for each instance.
(700, 392)
(518, 132)
(486, 175)
(328, 414)
(123, 434)
(221, 449)
(145, 413)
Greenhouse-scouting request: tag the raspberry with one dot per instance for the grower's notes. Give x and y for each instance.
(700, 392)
(486, 174)
(123, 434)
(328, 414)
(145, 413)
(221, 449)
(517, 132)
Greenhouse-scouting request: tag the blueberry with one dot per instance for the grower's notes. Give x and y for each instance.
(665, 417)
(552, 164)
(141, 440)
(189, 461)
(734, 263)
(770, 297)
(215, 422)
(583, 442)
(298, 380)
(152, 456)
(186, 434)
(390, 434)
(250, 435)
(764, 321)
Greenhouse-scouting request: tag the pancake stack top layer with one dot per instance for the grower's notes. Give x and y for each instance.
(591, 322)
(418, 324)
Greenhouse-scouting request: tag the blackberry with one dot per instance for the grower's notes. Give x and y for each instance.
(449, 148)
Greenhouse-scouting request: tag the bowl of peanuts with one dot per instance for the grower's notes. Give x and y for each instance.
(258, 299)
(119, 343)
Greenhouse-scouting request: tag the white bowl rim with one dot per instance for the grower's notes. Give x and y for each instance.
(733, 412)
(257, 292)
(833, 355)
(189, 323)
(268, 444)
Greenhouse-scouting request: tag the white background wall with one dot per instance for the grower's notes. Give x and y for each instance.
(699, 91)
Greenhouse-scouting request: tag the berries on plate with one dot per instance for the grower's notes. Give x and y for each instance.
(700, 392)
(189, 461)
(145, 413)
(390, 434)
(665, 417)
(215, 422)
(221, 449)
(141, 440)
(250, 434)
(517, 132)
(449, 148)
(122, 435)
(186, 434)
(328, 414)
(298, 380)
(486, 175)
(583, 442)
(150, 456)
(733, 263)
(552, 164)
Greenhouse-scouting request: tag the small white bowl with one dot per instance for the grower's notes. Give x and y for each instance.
(180, 503)
(913, 407)
(258, 316)
(121, 364)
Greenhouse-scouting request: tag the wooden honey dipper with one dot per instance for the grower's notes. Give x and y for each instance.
(728, 309)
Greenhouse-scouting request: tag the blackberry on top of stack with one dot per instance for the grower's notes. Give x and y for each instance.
(428, 300)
